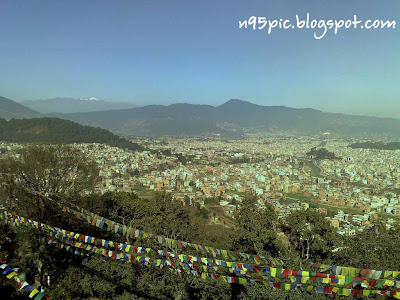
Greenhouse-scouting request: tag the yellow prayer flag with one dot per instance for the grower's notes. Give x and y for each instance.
(33, 293)
(347, 292)
(11, 275)
(366, 292)
(273, 272)
(304, 279)
(387, 274)
(389, 283)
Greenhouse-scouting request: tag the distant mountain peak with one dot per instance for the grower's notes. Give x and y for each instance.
(237, 102)
(89, 99)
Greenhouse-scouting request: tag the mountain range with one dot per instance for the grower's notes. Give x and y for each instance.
(27, 125)
(235, 118)
(71, 105)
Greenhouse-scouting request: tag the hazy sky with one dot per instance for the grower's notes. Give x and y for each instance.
(165, 51)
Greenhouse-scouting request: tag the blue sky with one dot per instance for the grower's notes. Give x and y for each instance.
(162, 52)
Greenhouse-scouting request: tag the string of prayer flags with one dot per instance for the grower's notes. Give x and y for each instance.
(145, 261)
(10, 273)
(198, 263)
(336, 270)
(99, 221)
(81, 240)
(298, 279)
(151, 262)
(69, 236)
(195, 262)
(355, 272)
(276, 273)
(191, 264)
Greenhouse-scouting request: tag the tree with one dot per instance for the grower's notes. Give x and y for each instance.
(256, 228)
(310, 234)
(51, 169)
(372, 248)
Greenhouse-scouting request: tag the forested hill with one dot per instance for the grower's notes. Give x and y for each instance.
(54, 130)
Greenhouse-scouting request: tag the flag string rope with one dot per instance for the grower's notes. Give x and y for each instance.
(236, 268)
(269, 271)
(23, 285)
(99, 221)
(276, 285)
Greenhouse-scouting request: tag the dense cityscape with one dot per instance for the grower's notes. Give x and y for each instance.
(352, 190)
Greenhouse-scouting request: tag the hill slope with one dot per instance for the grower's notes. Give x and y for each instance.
(54, 130)
(71, 105)
(10, 109)
(232, 118)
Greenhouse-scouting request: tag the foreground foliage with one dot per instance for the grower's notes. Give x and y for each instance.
(302, 236)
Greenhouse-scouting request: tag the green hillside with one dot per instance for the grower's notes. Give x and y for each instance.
(54, 130)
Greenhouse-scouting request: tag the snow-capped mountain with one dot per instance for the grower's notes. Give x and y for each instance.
(72, 105)
(89, 99)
